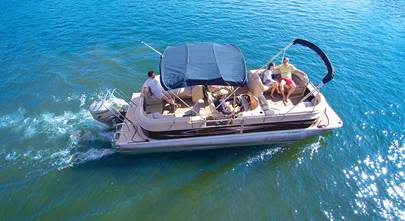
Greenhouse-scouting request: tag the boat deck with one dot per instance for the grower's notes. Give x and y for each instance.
(182, 109)
(128, 133)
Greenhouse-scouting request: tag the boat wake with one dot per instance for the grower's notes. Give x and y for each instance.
(264, 155)
(90, 155)
(310, 150)
(55, 140)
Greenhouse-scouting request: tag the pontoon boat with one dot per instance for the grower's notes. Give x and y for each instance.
(202, 77)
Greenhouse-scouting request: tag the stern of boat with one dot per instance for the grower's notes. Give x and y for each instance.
(129, 132)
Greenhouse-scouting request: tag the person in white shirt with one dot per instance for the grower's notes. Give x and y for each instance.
(153, 86)
(268, 78)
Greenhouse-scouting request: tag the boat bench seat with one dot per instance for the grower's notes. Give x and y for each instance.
(256, 86)
(152, 104)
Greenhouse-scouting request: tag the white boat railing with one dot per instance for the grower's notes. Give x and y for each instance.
(119, 131)
(121, 95)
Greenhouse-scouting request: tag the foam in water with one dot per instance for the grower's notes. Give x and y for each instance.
(13, 119)
(90, 155)
(11, 156)
(79, 127)
(312, 148)
(51, 124)
(263, 155)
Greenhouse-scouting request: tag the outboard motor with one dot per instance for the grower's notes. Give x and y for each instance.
(109, 111)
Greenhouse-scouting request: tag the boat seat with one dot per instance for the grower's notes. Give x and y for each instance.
(151, 104)
(197, 93)
(182, 92)
(255, 84)
(257, 87)
(217, 90)
(148, 97)
(210, 109)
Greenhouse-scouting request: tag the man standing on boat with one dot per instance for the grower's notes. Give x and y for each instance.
(153, 87)
(286, 70)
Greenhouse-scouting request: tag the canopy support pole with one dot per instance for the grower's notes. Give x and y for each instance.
(282, 59)
(283, 50)
(197, 114)
(233, 92)
(151, 48)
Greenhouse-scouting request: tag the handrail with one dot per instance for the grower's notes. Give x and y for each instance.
(233, 92)
(123, 95)
(118, 114)
(178, 97)
(118, 132)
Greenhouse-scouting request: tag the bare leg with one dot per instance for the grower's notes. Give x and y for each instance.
(282, 83)
(290, 91)
(282, 92)
(168, 99)
(273, 88)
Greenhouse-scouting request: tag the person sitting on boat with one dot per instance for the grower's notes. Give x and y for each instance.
(153, 87)
(286, 70)
(226, 105)
(268, 78)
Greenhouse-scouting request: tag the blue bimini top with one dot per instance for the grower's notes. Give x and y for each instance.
(202, 64)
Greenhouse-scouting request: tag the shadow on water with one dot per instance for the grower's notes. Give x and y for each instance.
(95, 137)
(91, 144)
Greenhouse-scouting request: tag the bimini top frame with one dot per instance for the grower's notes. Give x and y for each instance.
(330, 74)
(330, 70)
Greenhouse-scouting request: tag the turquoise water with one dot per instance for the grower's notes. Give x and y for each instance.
(57, 56)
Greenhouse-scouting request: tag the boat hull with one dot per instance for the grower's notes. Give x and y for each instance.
(136, 141)
(224, 130)
(220, 141)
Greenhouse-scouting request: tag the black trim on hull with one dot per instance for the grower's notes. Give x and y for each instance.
(210, 131)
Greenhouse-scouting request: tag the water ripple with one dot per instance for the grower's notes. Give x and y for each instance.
(57, 56)
(380, 175)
